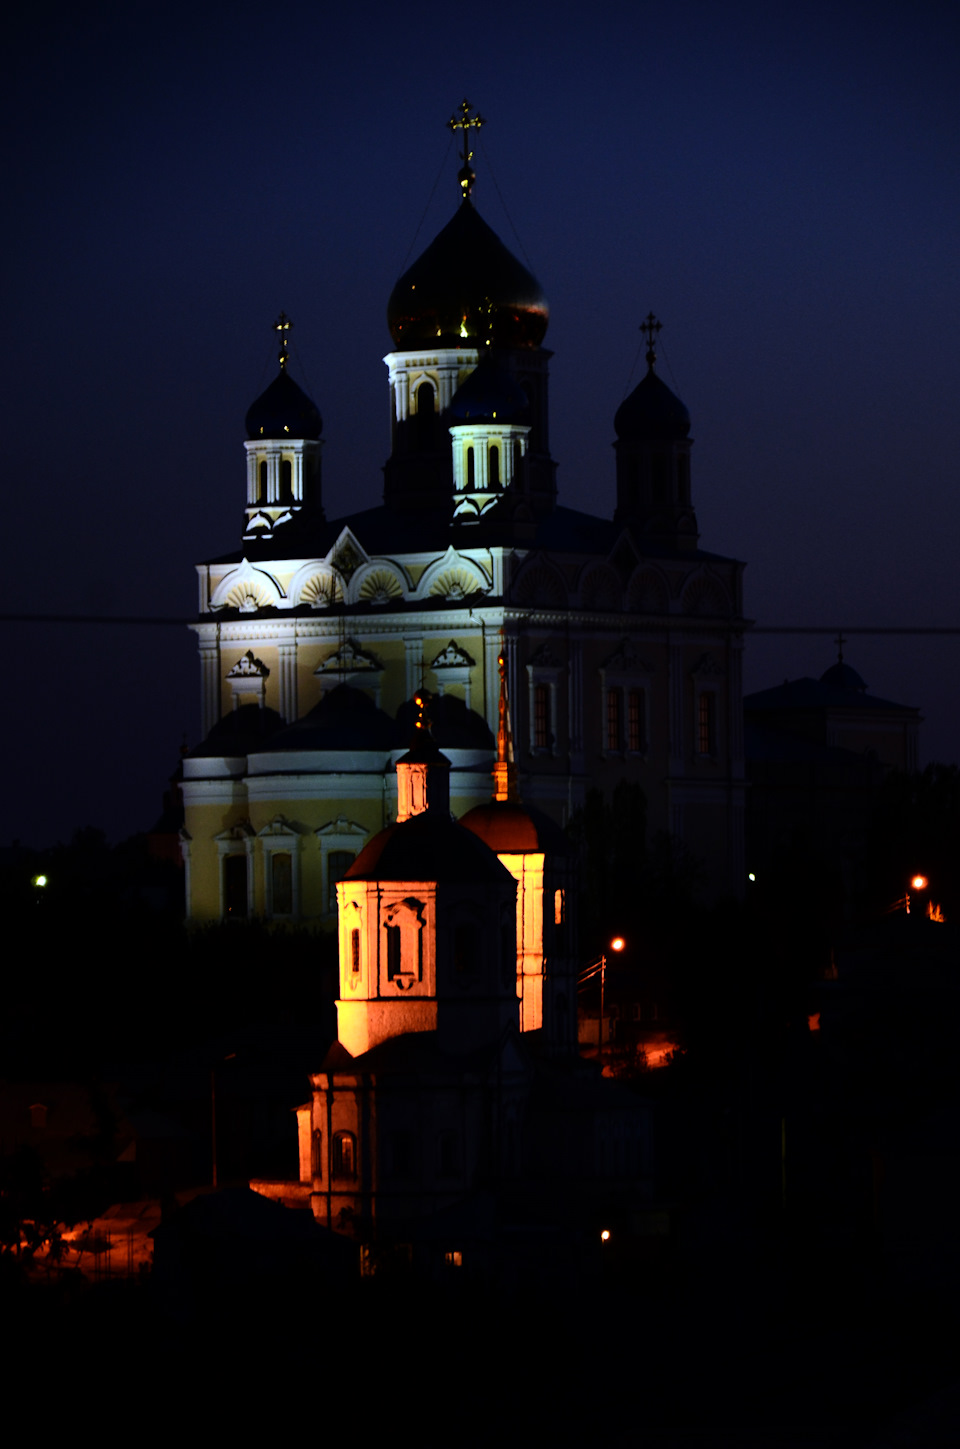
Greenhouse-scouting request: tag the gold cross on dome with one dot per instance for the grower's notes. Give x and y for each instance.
(650, 327)
(465, 123)
(282, 327)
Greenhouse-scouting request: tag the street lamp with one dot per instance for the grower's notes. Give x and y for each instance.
(600, 968)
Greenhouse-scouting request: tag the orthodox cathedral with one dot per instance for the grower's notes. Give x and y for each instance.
(621, 638)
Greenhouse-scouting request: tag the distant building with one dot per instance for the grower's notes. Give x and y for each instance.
(623, 636)
(818, 751)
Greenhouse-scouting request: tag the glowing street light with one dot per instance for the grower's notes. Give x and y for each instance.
(616, 944)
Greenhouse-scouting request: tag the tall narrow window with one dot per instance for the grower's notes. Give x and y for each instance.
(493, 461)
(263, 482)
(281, 883)
(541, 717)
(393, 952)
(425, 417)
(471, 469)
(286, 481)
(614, 723)
(235, 886)
(355, 951)
(344, 1155)
(707, 723)
(637, 721)
(560, 921)
(316, 1153)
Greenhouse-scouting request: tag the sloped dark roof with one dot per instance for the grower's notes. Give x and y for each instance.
(428, 847)
(819, 694)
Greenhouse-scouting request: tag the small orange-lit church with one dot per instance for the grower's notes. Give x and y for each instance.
(622, 636)
(453, 1105)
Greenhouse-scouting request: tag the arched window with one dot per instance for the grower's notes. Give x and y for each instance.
(286, 481)
(316, 1153)
(493, 462)
(235, 887)
(426, 417)
(281, 882)
(344, 1155)
(471, 469)
(263, 482)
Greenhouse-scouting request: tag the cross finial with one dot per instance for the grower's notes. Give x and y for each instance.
(650, 327)
(282, 327)
(840, 641)
(465, 123)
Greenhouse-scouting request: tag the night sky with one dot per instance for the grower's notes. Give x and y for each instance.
(778, 185)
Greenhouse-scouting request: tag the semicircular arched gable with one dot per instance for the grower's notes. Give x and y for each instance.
(705, 597)
(647, 592)
(539, 584)
(246, 588)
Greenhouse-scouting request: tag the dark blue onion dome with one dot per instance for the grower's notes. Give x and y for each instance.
(345, 719)
(284, 411)
(467, 289)
(842, 676)
(652, 413)
(429, 847)
(489, 395)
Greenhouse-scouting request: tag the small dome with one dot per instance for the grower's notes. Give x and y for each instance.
(510, 828)
(652, 412)
(284, 411)
(428, 847)
(466, 289)
(345, 719)
(489, 395)
(841, 676)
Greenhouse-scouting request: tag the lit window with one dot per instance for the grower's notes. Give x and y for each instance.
(344, 1155)
(453, 1258)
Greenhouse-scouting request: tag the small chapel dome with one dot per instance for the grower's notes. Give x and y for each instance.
(467, 289)
(428, 847)
(489, 395)
(842, 676)
(284, 411)
(652, 412)
(510, 828)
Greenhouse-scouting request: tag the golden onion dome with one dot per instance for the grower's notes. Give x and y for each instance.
(467, 289)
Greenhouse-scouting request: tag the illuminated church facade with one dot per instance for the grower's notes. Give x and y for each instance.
(622, 637)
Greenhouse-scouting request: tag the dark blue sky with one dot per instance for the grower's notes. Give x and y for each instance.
(780, 188)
